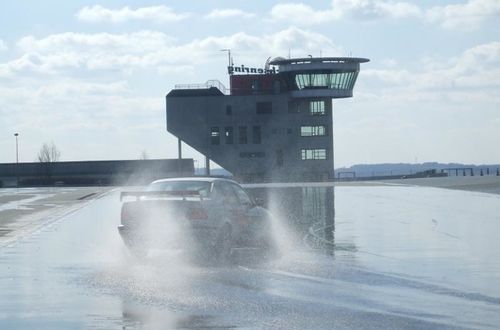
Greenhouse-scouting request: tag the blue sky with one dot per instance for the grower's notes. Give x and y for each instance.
(92, 76)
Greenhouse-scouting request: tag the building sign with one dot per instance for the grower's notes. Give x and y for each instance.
(243, 69)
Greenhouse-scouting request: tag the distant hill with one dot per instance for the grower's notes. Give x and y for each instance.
(367, 170)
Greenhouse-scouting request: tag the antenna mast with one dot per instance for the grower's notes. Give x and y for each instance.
(229, 58)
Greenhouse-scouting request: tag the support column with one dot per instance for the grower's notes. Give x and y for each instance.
(207, 166)
(179, 148)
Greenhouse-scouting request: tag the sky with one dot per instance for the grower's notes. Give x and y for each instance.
(92, 76)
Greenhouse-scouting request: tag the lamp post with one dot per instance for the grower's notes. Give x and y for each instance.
(17, 159)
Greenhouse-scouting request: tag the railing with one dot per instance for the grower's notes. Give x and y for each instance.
(209, 84)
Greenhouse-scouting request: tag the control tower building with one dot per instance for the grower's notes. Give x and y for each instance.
(274, 124)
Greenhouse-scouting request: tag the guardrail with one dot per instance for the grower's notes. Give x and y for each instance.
(209, 84)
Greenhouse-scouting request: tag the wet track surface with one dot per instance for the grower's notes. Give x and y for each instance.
(402, 257)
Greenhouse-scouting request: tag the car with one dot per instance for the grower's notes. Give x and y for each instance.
(208, 216)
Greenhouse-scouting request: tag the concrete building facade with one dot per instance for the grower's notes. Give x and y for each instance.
(274, 124)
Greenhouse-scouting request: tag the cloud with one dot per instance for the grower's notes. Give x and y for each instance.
(375, 9)
(466, 16)
(61, 52)
(88, 51)
(473, 75)
(302, 14)
(158, 14)
(3, 46)
(228, 13)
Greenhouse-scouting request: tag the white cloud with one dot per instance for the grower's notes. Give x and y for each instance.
(3, 46)
(129, 51)
(467, 16)
(375, 9)
(136, 42)
(228, 13)
(473, 75)
(159, 14)
(302, 14)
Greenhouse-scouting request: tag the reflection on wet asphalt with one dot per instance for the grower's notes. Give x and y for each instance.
(402, 257)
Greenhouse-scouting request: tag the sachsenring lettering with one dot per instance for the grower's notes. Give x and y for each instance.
(243, 69)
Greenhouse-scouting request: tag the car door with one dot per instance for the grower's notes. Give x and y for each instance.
(253, 220)
(232, 208)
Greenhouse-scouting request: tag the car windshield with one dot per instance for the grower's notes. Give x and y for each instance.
(202, 187)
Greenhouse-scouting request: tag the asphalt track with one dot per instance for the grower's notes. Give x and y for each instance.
(401, 257)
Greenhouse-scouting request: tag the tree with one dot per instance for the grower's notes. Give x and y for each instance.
(49, 153)
(47, 156)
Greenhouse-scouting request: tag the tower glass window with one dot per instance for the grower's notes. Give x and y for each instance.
(215, 135)
(319, 130)
(338, 80)
(317, 108)
(264, 108)
(228, 135)
(313, 154)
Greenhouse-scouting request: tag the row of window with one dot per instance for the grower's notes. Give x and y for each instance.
(316, 108)
(341, 80)
(215, 134)
(313, 154)
(305, 154)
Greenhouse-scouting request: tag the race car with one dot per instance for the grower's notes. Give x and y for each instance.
(208, 216)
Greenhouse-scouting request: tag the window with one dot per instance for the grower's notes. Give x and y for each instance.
(202, 187)
(242, 195)
(256, 86)
(317, 108)
(228, 135)
(256, 135)
(229, 110)
(313, 130)
(224, 192)
(315, 154)
(215, 135)
(338, 80)
(289, 131)
(242, 137)
(264, 108)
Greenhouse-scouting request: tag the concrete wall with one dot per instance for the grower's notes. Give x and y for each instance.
(95, 172)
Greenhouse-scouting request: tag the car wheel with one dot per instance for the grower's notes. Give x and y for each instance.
(223, 245)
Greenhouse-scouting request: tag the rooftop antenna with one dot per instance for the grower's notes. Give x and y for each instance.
(229, 58)
(289, 53)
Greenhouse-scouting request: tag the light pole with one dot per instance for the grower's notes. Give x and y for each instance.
(17, 160)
